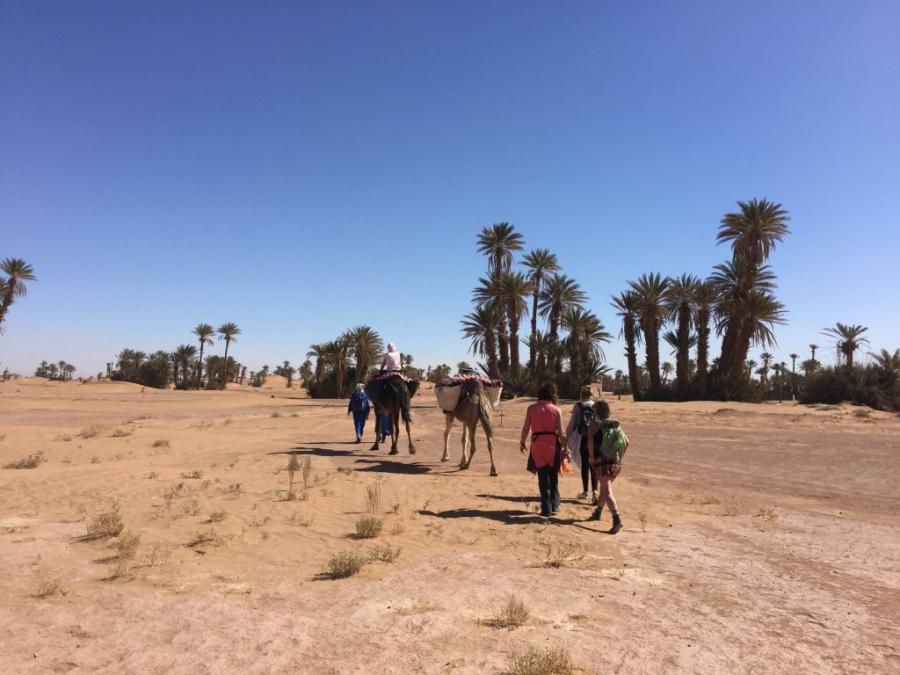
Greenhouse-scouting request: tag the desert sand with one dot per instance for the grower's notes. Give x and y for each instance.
(758, 539)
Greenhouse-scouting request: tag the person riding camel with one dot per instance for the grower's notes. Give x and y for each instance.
(391, 361)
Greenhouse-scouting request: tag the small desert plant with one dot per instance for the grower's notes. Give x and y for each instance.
(227, 421)
(767, 513)
(234, 489)
(126, 545)
(161, 443)
(106, 524)
(533, 661)
(120, 433)
(192, 508)
(64, 439)
(192, 475)
(395, 509)
(32, 461)
(559, 553)
(642, 517)
(294, 415)
(153, 475)
(384, 553)
(275, 413)
(217, 516)
(95, 460)
(373, 497)
(203, 537)
(119, 571)
(306, 471)
(292, 467)
(345, 564)
(90, 432)
(368, 527)
(345, 469)
(47, 588)
(512, 613)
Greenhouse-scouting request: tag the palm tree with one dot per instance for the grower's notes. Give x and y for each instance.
(204, 333)
(703, 301)
(586, 333)
(751, 366)
(182, 358)
(813, 349)
(650, 290)
(753, 233)
(338, 355)
(666, 371)
(498, 242)
(228, 332)
(559, 294)
(539, 263)
(763, 312)
(489, 292)
(544, 352)
(766, 359)
(317, 351)
(514, 287)
(849, 338)
(679, 301)
(627, 306)
(17, 272)
(480, 328)
(365, 346)
(793, 373)
(889, 365)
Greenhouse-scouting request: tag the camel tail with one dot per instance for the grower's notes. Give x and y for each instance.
(485, 417)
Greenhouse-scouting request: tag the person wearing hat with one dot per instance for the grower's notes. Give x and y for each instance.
(359, 408)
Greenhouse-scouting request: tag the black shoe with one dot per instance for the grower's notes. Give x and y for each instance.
(596, 514)
(617, 524)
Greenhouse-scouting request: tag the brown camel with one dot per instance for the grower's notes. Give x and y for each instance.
(474, 406)
(388, 402)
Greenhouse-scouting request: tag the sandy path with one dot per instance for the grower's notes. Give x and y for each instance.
(747, 548)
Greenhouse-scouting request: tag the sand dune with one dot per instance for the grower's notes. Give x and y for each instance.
(759, 538)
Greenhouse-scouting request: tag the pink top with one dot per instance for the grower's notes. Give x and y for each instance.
(544, 416)
(391, 361)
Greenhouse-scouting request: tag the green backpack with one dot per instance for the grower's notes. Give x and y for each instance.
(612, 441)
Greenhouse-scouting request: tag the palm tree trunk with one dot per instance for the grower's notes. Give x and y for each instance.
(631, 355)
(490, 346)
(702, 352)
(503, 344)
(514, 344)
(200, 365)
(534, 313)
(683, 356)
(552, 364)
(225, 365)
(651, 342)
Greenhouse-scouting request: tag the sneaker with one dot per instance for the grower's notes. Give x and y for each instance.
(583, 495)
(596, 514)
(595, 498)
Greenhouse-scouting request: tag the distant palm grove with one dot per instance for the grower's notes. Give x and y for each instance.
(736, 300)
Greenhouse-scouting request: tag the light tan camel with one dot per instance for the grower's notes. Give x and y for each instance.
(470, 414)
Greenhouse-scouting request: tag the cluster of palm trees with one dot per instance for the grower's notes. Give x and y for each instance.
(60, 371)
(186, 366)
(347, 359)
(736, 301)
(567, 348)
(12, 284)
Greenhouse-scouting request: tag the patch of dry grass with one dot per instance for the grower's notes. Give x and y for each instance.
(369, 527)
(208, 536)
(126, 545)
(120, 433)
(558, 553)
(106, 524)
(345, 564)
(47, 588)
(161, 443)
(32, 461)
(534, 661)
(192, 475)
(90, 432)
(384, 553)
(373, 498)
(217, 516)
(512, 613)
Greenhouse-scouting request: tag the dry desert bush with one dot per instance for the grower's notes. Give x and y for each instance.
(192, 475)
(106, 524)
(90, 432)
(534, 661)
(512, 613)
(161, 443)
(32, 461)
(126, 545)
(217, 516)
(373, 498)
(368, 527)
(345, 564)
(207, 536)
(120, 433)
(384, 553)
(47, 588)
(557, 554)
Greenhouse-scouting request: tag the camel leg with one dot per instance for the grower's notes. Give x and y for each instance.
(395, 431)
(448, 425)
(412, 448)
(375, 446)
(470, 431)
(490, 444)
(463, 462)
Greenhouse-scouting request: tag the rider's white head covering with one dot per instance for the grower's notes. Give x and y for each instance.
(360, 386)
(392, 347)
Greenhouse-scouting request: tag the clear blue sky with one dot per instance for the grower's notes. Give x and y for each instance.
(163, 164)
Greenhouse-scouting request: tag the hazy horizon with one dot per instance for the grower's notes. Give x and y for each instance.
(168, 165)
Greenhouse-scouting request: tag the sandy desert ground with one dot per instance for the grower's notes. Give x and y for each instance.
(759, 539)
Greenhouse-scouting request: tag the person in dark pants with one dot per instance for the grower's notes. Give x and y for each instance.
(580, 419)
(359, 408)
(544, 420)
(386, 425)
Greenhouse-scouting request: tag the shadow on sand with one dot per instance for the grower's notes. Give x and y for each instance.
(392, 466)
(520, 500)
(505, 516)
(318, 452)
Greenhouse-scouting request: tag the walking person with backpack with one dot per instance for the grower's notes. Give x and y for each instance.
(579, 422)
(607, 444)
(544, 420)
